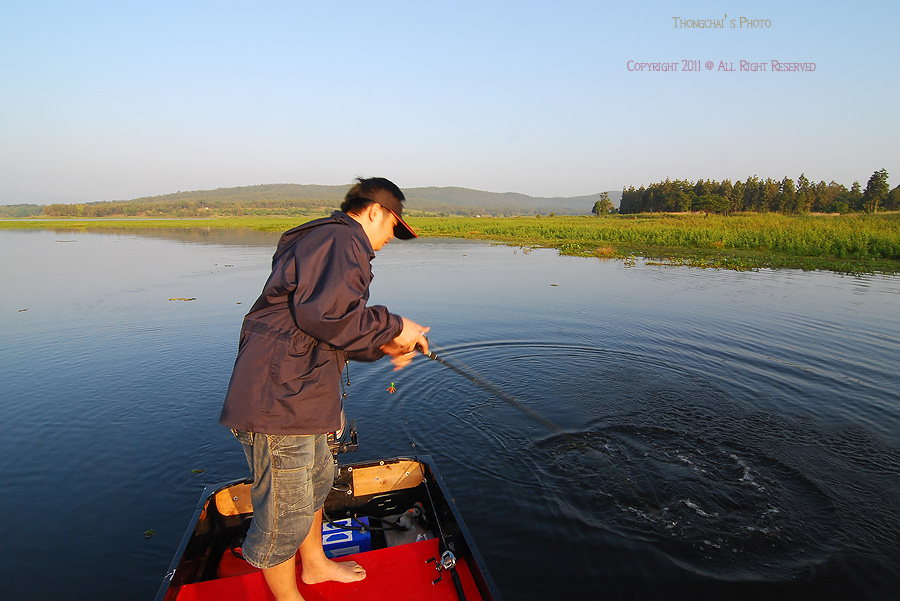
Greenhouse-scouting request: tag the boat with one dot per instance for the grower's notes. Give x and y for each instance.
(395, 517)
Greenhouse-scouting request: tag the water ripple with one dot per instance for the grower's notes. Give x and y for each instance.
(660, 454)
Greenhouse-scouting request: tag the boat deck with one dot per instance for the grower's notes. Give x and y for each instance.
(395, 573)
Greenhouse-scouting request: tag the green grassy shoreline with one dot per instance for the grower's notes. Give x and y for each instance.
(839, 243)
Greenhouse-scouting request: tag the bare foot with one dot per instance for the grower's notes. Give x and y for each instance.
(333, 571)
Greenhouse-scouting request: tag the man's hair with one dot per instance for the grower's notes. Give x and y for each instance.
(355, 201)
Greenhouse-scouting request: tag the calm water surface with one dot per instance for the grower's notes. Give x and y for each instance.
(715, 434)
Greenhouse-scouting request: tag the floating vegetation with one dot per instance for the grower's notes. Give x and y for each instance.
(198, 471)
(149, 533)
(717, 263)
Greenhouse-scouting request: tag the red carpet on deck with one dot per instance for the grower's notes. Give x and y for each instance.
(393, 574)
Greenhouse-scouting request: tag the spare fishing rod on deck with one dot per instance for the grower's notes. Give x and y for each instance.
(447, 559)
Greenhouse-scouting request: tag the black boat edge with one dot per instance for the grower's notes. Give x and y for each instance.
(196, 557)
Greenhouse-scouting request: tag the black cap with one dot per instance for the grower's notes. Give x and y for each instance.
(402, 231)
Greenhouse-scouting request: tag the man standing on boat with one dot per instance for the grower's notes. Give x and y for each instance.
(284, 395)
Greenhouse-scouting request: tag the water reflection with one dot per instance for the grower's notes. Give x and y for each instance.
(196, 235)
(714, 434)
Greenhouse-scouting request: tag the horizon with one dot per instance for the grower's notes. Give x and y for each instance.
(114, 102)
(316, 185)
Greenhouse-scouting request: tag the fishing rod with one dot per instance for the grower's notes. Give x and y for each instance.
(468, 373)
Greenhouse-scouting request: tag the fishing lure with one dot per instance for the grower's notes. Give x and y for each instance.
(392, 389)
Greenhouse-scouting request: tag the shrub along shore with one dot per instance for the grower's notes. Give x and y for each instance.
(857, 243)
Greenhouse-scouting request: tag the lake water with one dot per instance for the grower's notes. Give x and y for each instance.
(712, 434)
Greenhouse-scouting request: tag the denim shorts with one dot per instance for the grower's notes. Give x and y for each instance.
(292, 475)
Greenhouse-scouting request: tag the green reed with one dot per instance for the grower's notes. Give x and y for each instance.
(844, 243)
(759, 239)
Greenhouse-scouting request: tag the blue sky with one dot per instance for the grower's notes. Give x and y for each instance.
(117, 100)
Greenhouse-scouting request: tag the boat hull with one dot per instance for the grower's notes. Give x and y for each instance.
(394, 517)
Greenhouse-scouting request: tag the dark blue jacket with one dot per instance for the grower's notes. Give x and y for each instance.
(311, 316)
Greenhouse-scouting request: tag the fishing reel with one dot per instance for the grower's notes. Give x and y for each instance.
(345, 439)
(446, 562)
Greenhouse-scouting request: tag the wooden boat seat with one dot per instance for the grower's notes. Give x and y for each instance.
(400, 573)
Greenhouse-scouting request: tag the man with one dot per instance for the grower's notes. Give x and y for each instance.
(284, 394)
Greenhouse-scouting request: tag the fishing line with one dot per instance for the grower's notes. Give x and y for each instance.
(470, 374)
(460, 368)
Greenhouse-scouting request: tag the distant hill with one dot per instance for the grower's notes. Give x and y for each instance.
(247, 194)
(505, 203)
(452, 200)
(308, 199)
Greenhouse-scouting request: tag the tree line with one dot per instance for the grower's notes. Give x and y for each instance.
(20, 210)
(755, 194)
(189, 208)
(289, 207)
